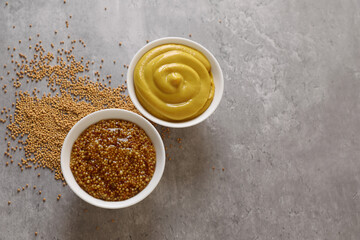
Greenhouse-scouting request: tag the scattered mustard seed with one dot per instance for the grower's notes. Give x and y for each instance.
(49, 109)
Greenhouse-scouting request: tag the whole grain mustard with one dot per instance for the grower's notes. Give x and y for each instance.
(173, 82)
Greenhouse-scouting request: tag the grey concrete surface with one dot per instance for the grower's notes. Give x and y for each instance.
(287, 131)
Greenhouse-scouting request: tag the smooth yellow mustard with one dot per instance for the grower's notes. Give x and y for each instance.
(174, 82)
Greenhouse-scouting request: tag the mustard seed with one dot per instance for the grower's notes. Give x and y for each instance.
(50, 109)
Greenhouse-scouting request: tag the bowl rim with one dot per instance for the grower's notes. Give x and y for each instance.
(219, 88)
(93, 118)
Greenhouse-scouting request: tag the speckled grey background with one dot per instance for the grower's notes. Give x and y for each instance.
(286, 132)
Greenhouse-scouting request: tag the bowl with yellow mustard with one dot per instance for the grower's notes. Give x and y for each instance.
(175, 82)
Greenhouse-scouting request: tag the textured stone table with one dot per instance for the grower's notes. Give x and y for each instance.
(287, 131)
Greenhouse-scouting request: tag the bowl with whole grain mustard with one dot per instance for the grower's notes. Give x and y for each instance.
(175, 82)
(113, 158)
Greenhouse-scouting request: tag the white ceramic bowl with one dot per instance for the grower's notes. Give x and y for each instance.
(215, 69)
(95, 117)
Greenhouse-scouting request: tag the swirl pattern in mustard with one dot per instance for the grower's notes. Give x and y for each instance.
(173, 82)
